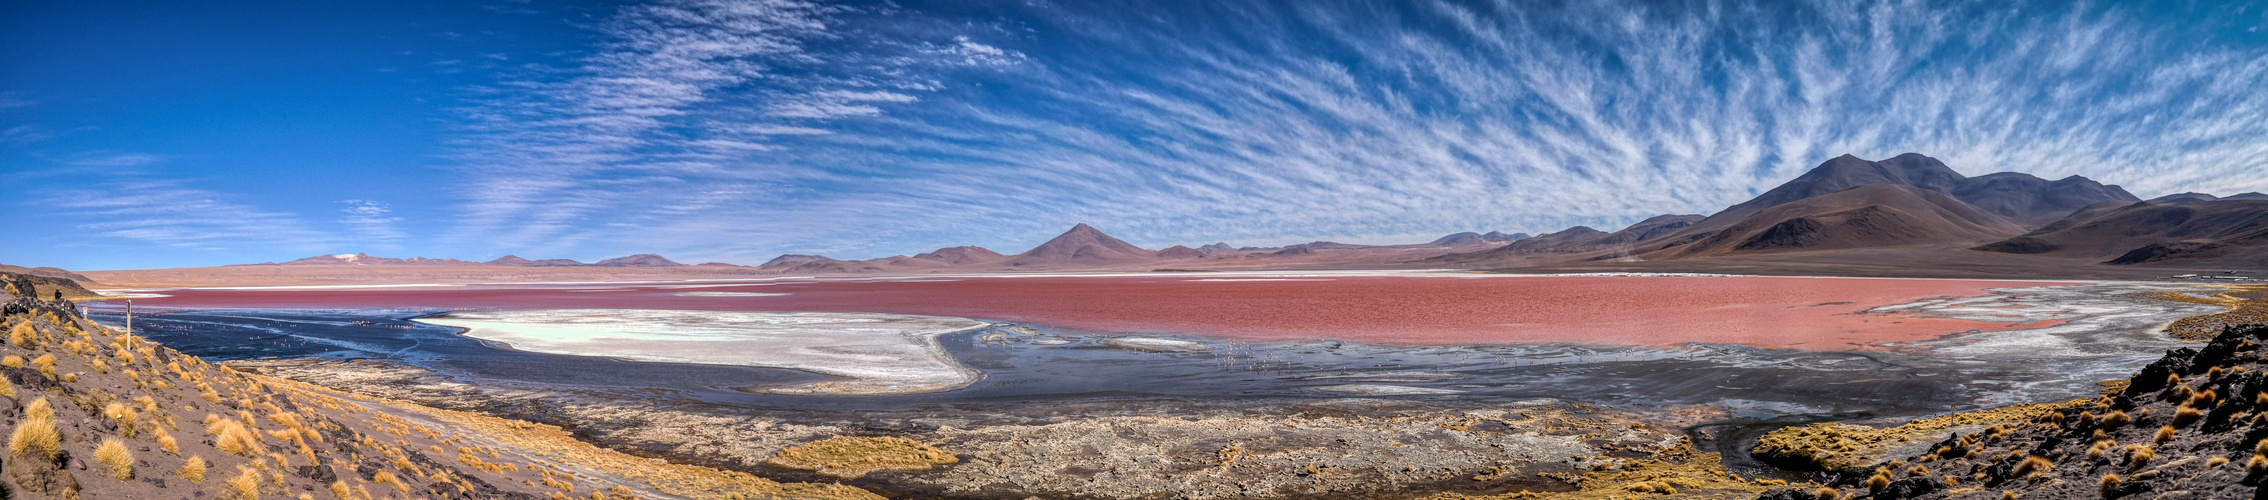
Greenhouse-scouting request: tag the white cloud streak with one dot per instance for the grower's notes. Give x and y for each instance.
(720, 131)
(169, 214)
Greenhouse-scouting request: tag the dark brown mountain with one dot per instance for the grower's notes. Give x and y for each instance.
(1180, 252)
(2228, 231)
(789, 261)
(1083, 245)
(516, 261)
(1477, 239)
(1459, 240)
(1877, 215)
(825, 265)
(2083, 215)
(1552, 242)
(639, 260)
(961, 256)
(1647, 230)
(2018, 197)
(2033, 201)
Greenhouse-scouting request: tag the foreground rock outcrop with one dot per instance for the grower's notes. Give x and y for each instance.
(2190, 425)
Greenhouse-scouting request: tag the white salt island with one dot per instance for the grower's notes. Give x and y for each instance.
(878, 354)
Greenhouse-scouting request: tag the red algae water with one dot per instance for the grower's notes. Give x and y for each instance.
(1799, 313)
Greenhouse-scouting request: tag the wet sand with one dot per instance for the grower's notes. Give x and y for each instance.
(1776, 312)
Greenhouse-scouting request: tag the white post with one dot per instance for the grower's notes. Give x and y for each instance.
(129, 316)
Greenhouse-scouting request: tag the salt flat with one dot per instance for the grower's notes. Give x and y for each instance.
(878, 353)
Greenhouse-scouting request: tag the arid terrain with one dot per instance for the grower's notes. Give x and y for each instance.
(1817, 341)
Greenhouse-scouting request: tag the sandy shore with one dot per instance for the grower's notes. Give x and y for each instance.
(878, 353)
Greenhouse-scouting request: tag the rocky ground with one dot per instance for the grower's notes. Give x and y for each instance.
(1331, 448)
(2190, 425)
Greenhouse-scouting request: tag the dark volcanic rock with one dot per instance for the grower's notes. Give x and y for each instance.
(2190, 425)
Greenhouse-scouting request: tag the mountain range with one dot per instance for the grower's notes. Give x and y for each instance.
(1905, 215)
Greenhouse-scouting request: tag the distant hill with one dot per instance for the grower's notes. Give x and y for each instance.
(516, 261)
(1180, 252)
(2018, 197)
(639, 260)
(364, 259)
(961, 256)
(1083, 245)
(45, 271)
(1876, 215)
(2180, 230)
(44, 287)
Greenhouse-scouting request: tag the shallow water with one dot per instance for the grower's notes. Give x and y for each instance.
(2108, 338)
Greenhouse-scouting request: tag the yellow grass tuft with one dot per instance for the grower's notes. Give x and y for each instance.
(2186, 415)
(46, 364)
(14, 361)
(384, 477)
(2110, 483)
(126, 417)
(340, 489)
(24, 336)
(233, 438)
(2116, 418)
(2165, 433)
(113, 454)
(194, 470)
(2033, 467)
(2138, 456)
(165, 440)
(7, 389)
(35, 436)
(246, 485)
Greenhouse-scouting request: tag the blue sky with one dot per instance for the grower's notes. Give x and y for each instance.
(202, 133)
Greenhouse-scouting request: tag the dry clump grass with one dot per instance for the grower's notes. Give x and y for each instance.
(127, 419)
(2186, 415)
(1839, 446)
(193, 470)
(36, 436)
(113, 454)
(231, 437)
(2109, 484)
(695, 482)
(2034, 467)
(853, 457)
(23, 335)
(2138, 456)
(46, 365)
(12, 361)
(245, 486)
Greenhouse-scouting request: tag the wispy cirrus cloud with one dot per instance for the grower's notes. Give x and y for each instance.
(171, 214)
(737, 131)
(371, 221)
(670, 117)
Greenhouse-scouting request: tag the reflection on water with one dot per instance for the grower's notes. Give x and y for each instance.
(1040, 364)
